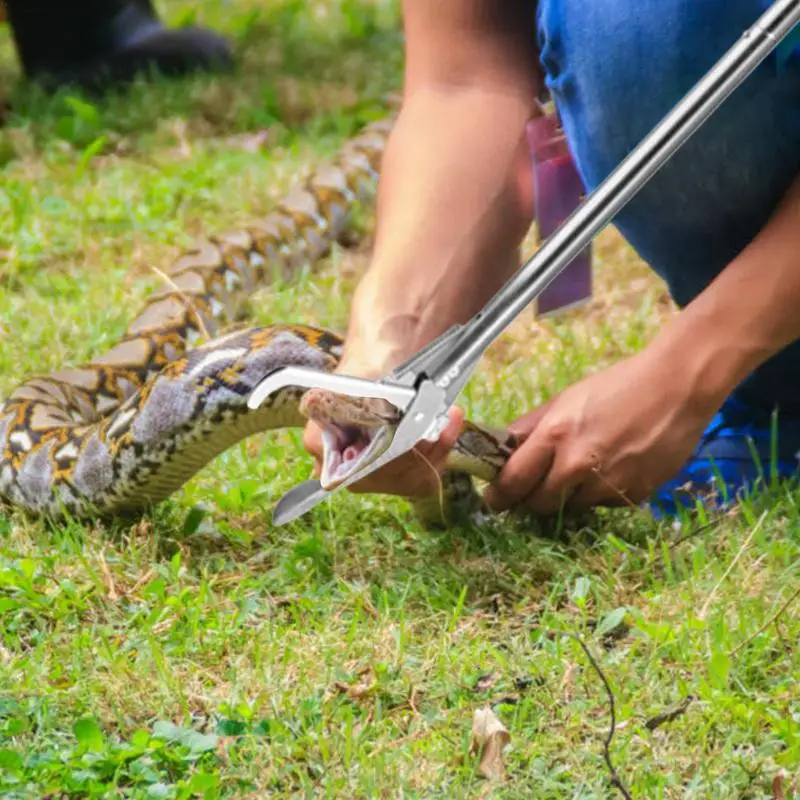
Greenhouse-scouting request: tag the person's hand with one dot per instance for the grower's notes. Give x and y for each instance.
(610, 439)
(416, 474)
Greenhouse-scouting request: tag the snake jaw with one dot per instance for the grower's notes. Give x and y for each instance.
(346, 450)
(355, 431)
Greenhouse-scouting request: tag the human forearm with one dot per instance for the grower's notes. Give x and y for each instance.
(450, 219)
(450, 211)
(746, 315)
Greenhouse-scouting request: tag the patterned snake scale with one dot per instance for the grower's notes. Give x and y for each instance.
(126, 430)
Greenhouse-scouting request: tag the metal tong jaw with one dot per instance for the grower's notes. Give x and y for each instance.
(413, 388)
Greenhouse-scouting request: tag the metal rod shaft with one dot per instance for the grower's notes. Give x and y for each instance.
(602, 205)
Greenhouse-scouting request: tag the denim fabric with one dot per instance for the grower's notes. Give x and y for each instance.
(614, 69)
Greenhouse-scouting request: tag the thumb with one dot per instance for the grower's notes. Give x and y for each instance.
(312, 442)
(453, 430)
(438, 451)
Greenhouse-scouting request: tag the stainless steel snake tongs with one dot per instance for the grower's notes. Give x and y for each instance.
(427, 385)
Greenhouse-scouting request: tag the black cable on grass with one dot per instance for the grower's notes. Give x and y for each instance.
(615, 779)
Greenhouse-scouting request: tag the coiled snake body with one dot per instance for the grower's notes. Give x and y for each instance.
(130, 427)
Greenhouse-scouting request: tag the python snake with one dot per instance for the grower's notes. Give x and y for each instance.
(127, 429)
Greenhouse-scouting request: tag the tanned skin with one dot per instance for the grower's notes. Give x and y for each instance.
(452, 213)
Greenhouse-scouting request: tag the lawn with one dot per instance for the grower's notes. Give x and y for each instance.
(204, 653)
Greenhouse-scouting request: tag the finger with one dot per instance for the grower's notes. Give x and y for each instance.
(312, 442)
(525, 469)
(523, 427)
(413, 474)
(416, 473)
(404, 476)
(312, 439)
(556, 490)
(444, 444)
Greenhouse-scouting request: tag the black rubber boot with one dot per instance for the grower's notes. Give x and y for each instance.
(97, 43)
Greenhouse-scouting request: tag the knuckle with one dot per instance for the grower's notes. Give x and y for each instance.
(579, 462)
(557, 431)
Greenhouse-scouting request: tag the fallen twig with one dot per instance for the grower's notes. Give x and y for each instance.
(669, 716)
(615, 779)
(766, 625)
(108, 578)
(190, 304)
(756, 528)
(696, 532)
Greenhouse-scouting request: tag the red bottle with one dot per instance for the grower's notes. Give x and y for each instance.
(558, 190)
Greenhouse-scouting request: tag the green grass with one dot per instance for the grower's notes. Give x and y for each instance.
(202, 652)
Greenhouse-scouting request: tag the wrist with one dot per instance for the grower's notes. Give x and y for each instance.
(383, 329)
(708, 355)
(747, 314)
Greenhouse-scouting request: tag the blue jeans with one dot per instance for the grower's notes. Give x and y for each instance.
(614, 69)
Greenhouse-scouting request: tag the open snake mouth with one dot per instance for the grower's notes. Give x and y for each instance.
(355, 431)
(347, 449)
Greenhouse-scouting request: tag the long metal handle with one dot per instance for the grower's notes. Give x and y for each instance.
(613, 194)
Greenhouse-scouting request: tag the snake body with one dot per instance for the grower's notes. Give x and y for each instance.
(124, 431)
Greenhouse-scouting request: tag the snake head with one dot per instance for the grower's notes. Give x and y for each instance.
(355, 431)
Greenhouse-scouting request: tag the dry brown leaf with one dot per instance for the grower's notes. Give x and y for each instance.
(253, 142)
(224, 744)
(108, 579)
(778, 791)
(489, 738)
(413, 700)
(180, 130)
(143, 579)
(568, 682)
(485, 682)
(358, 691)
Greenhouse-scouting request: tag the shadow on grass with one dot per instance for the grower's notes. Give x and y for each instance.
(383, 550)
(292, 70)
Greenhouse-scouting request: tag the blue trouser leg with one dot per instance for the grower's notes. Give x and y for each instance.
(615, 68)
